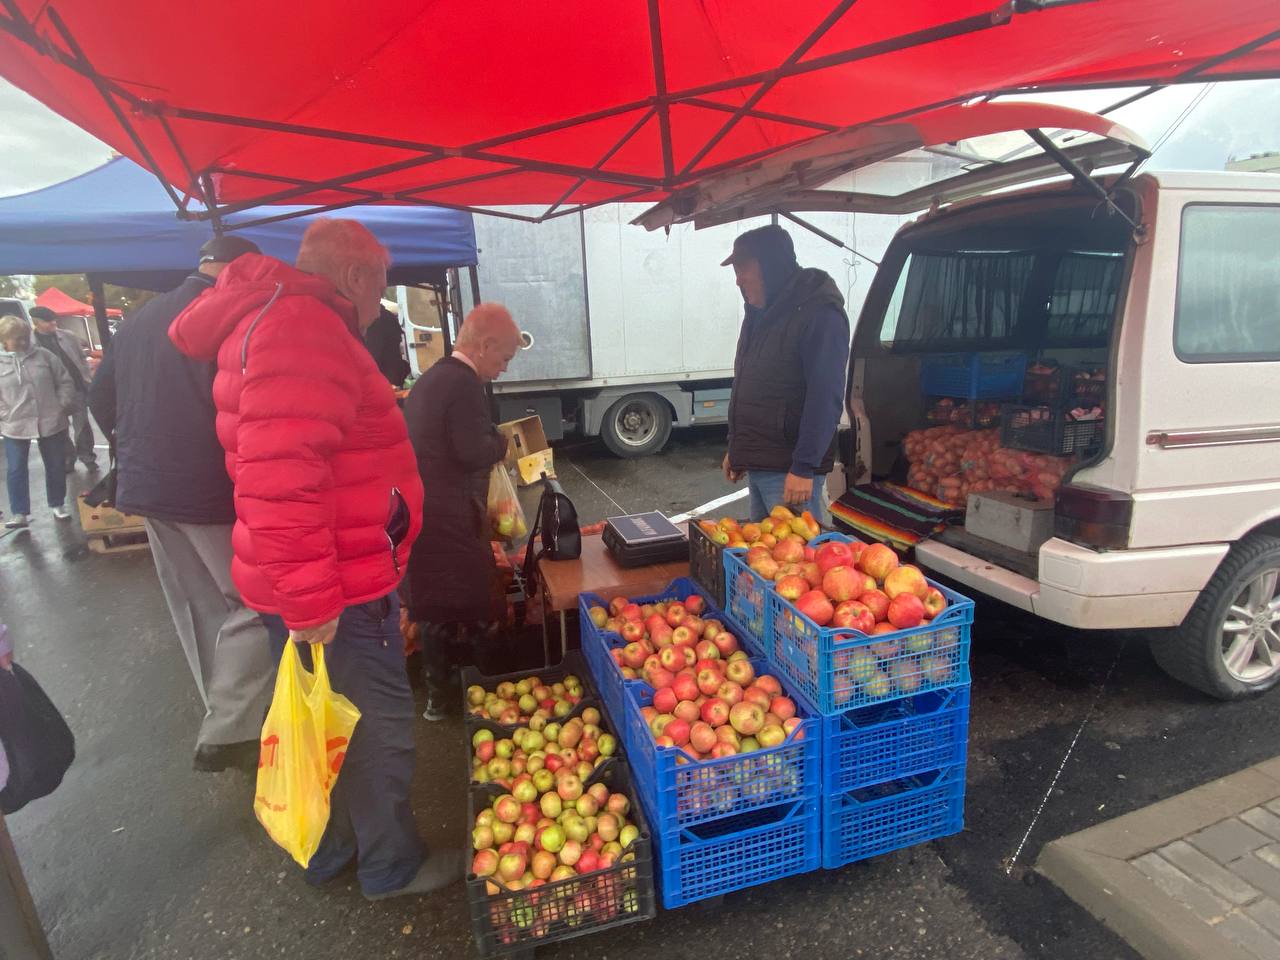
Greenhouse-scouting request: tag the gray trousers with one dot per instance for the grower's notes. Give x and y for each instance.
(225, 642)
(80, 436)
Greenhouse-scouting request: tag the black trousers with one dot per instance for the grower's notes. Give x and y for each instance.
(448, 646)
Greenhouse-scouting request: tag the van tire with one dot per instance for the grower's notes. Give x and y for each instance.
(636, 425)
(1192, 652)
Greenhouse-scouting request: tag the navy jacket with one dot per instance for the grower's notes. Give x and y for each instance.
(159, 404)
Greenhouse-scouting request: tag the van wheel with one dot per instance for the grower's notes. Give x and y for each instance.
(1229, 644)
(637, 425)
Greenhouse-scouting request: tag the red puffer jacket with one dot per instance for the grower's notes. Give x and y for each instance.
(324, 474)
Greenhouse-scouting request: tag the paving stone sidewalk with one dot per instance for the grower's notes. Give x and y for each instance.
(1197, 875)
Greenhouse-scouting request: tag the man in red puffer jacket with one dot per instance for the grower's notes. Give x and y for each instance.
(328, 503)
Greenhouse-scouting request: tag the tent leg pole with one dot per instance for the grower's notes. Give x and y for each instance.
(475, 286)
(97, 288)
(21, 936)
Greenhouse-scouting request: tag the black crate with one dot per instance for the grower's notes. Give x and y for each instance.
(967, 414)
(505, 733)
(571, 664)
(706, 563)
(1053, 433)
(1045, 388)
(1086, 392)
(515, 921)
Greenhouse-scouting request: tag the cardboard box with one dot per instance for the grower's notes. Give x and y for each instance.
(527, 449)
(107, 520)
(1010, 520)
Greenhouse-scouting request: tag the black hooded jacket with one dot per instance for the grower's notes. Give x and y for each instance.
(789, 374)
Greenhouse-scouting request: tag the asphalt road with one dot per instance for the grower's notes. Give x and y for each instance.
(136, 856)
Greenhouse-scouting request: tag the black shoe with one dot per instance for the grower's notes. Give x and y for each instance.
(437, 871)
(216, 757)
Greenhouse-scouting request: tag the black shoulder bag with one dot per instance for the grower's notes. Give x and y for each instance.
(555, 534)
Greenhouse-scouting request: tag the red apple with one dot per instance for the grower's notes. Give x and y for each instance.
(702, 737)
(661, 636)
(855, 615)
(694, 624)
(746, 718)
(631, 612)
(665, 700)
(688, 711)
(793, 587)
(784, 708)
(934, 603)
(715, 712)
(769, 684)
(878, 560)
(675, 614)
(812, 574)
(683, 636)
(725, 642)
(730, 692)
(671, 659)
(633, 655)
(616, 605)
(816, 607)
(678, 731)
(685, 686)
(884, 626)
(833, 554)
(653, 623)
(877, 601)
(766, 567)
(632, 632)
(694, 604)
(659, 678)
(905, 611)
(709, 682)
(756, 695)
(740, 672)
(842, 583)
(906, 579)
(789, 550)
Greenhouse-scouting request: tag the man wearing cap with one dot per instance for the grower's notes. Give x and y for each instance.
(66, 346)
(788, 375)
(157, 405)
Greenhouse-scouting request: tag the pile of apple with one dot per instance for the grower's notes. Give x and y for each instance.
(670, 635)
(526, 701)
(779, 525)
(541, 750)
(530, 837)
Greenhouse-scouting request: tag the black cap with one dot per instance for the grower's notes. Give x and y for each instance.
(762, 244)
(226, 249)
(42, 313)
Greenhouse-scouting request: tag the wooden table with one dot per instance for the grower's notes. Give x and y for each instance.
(595, 572)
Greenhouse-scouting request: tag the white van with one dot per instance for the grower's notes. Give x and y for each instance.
(1168, 282)
(1174, 520)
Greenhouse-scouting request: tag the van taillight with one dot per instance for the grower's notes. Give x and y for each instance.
(1093, 517)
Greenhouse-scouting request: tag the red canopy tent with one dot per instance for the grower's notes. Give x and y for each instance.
(65, 305)
(563, 102)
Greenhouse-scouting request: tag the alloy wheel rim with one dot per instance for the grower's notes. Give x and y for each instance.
(1250, 632)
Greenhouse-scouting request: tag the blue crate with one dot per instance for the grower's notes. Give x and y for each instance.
(836, 669)
(745, 592)
(737, 852)
(902, 813)
(973, 376)
(597, 643)
(683, 791)
(900, 738)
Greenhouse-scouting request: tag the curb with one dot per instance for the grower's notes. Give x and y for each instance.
(1092, 866)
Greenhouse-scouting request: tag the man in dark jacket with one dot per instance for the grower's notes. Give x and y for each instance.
(66, 346)
(452, 574)
(159, 406)
(789, 373)
(385, 341)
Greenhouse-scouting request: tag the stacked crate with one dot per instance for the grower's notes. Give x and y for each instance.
(719, 825)
(894, 710)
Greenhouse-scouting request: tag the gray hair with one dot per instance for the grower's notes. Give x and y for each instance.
(485, 321)
(15, 328)
(330, 245)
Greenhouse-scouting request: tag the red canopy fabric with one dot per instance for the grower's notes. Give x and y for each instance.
(65, 305)
(566, 102)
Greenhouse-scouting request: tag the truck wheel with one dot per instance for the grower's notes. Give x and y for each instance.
(637, 425)
(1229, 644)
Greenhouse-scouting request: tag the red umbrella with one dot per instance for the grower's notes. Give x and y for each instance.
(65, 305)
(565, 103)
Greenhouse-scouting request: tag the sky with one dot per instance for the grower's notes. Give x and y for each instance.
(37, 147)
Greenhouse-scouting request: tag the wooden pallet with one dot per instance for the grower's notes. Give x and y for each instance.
(127, 541)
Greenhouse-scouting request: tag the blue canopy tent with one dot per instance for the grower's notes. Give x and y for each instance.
(116, 224)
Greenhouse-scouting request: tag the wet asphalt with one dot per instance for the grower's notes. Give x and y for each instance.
(136, 856)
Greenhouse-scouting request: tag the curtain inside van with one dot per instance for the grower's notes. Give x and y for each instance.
(962, 295)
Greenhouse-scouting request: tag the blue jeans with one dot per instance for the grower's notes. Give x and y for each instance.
(52, 453)
(370, 816)
(765, 487)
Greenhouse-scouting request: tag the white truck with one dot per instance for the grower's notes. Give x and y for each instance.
(631, 332)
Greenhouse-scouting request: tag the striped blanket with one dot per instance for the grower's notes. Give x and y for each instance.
(893, 514)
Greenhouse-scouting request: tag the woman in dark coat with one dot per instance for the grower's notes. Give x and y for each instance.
(453, 580)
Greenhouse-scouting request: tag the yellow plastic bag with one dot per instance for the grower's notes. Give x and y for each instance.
(304, 741)
(506, 516)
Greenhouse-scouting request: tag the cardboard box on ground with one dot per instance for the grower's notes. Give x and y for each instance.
(528, 452)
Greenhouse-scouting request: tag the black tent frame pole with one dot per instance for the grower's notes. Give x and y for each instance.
(97, 288)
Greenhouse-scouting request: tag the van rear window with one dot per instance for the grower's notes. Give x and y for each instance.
(950, 297)
(1082, 302)
(1228, 284)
